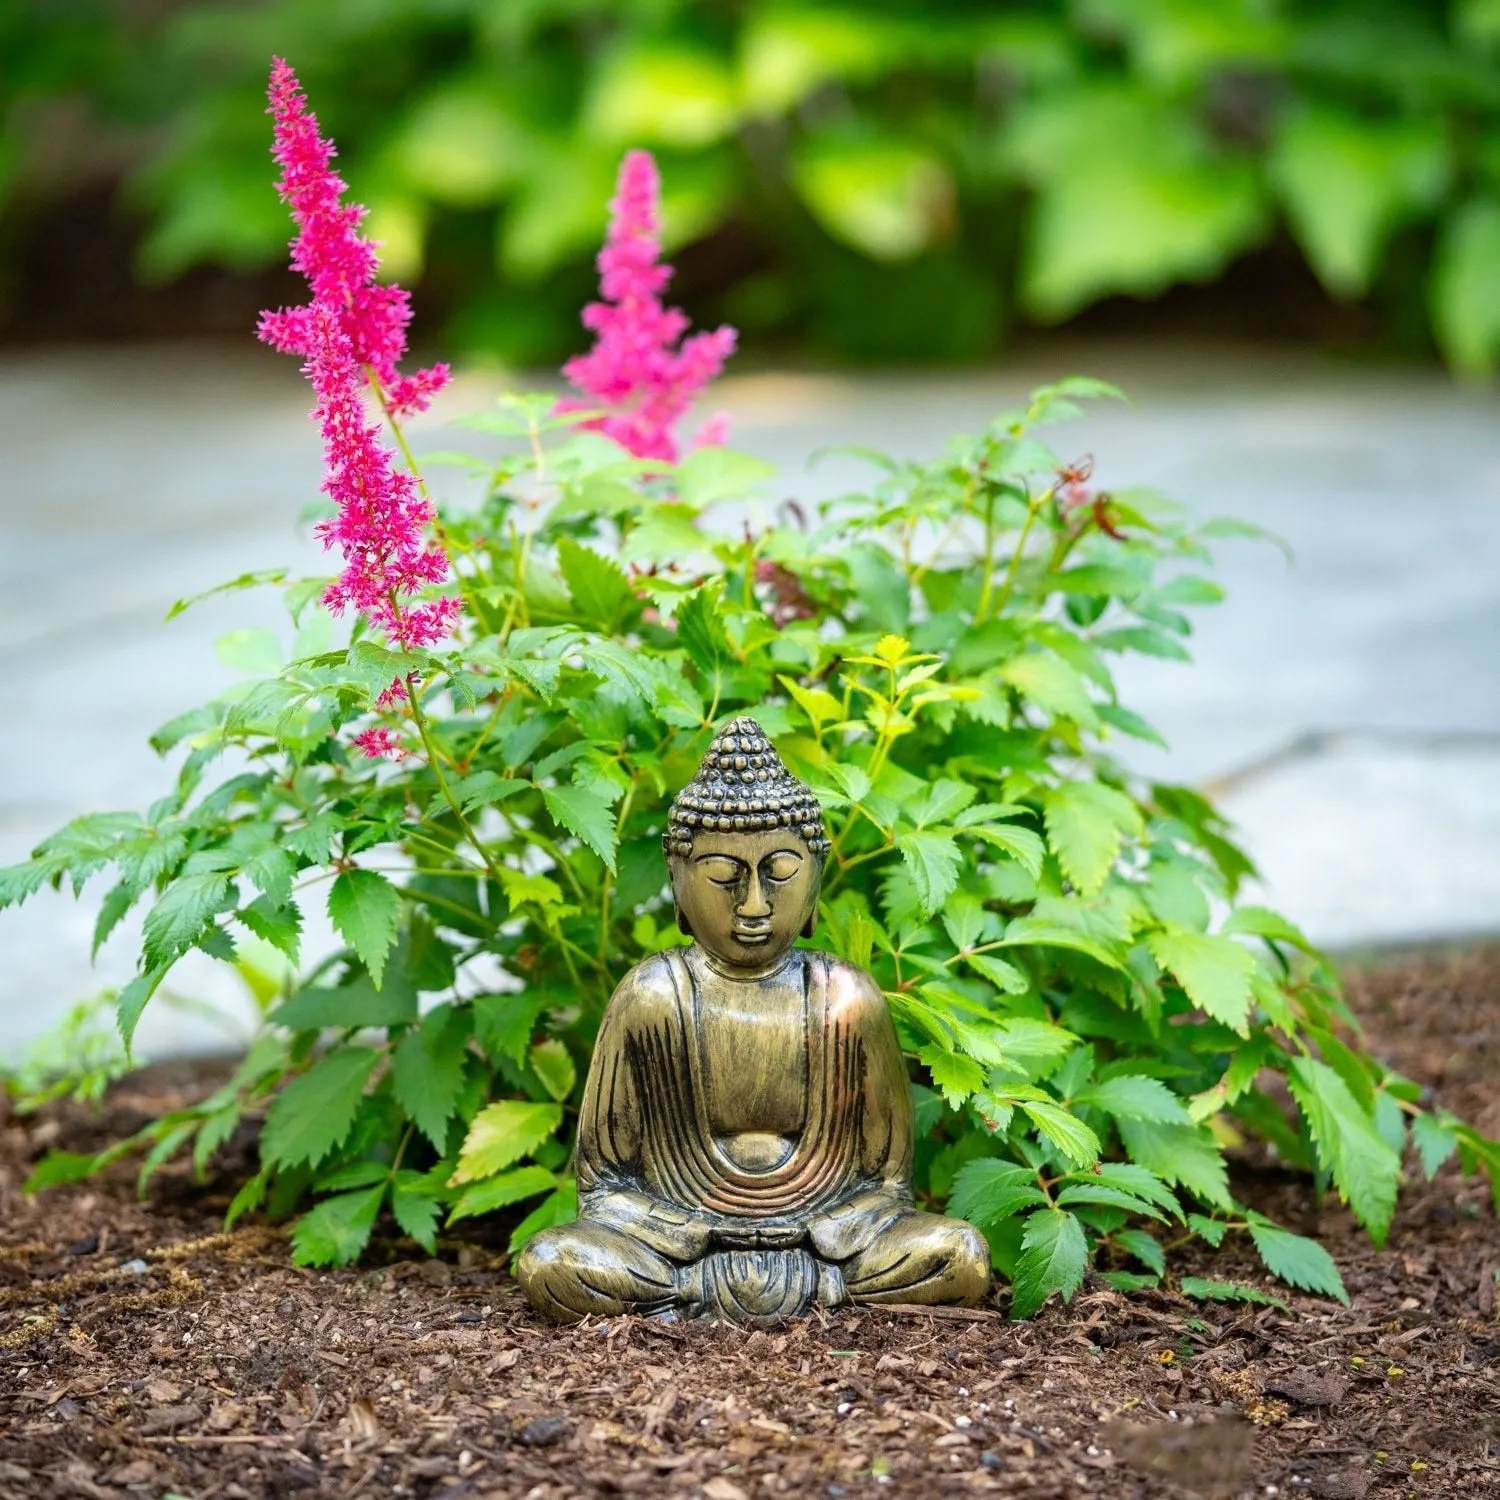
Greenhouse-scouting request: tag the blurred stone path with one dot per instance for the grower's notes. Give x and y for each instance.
(1346, 707)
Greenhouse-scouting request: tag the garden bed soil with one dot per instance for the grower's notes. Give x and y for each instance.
(144, 1353)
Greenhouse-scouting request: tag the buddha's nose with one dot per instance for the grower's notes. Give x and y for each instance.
(755, 903)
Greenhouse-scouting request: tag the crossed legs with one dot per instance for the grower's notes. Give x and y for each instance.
(582, 1269)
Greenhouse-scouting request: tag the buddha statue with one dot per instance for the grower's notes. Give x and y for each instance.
(745, 1139)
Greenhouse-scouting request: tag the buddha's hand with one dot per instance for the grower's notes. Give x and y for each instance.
(841, 1232)
(748, 1234)
(665, 1228)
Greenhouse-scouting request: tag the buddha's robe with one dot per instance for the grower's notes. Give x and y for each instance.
(745, 1152)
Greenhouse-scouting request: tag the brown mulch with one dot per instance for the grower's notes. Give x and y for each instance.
(144, 1353)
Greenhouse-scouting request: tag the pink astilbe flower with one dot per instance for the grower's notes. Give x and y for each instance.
(350, 330)
(338, 262)
(381, 519)
(379, 744)
(641, 370)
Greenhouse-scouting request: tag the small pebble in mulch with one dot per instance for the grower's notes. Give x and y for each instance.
(543, 1432)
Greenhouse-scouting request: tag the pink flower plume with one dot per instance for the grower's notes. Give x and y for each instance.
(641, 370)
(379, 744)
(380, 524)
(351, 329)
(339, 263)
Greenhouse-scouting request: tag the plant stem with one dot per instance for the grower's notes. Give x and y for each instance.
(419, 718)
(1033, 509)
(988, 583)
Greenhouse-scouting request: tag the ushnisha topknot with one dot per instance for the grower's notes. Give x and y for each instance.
(743, 787)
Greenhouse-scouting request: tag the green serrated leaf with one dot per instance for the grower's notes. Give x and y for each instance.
(1052, 684)
(1132, 1096)
(1107, 1197)
(1435, 1142)
(182, 914)
(710, 474)
(1212, 1230)
(427, 1071)
(1214, 972)
(986, 1191)
(335, 1231)
(1022, 844)
(1033, 1046)
(314, 840)
(1209, 1289)
(1259, 921)
(364, 908)
(1365, 1169)
(1086, 825)
(502, 1134)
(313, 1114)
(132, 1000)
(1146, 1248)
(280, 926)
(1006, 977)
(113, 909)
(249, 1198)
(587, 815)
(417, 1214)
(485, 788)
(1184, 1155)
(505, 1023)
(1129, 1281)
(59, 1167)
(701, 629)
(934, 861)
(553, 1064)
(1066, 1131)
(598, 584)
(500, 1192)
(1054, 1257)
(357, 1004)
(1136, 1180)
(956, 1075)
(1299, 1261)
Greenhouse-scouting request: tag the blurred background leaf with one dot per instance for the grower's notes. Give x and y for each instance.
(894, 180)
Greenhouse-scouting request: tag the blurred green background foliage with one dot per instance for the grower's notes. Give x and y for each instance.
(895, 179)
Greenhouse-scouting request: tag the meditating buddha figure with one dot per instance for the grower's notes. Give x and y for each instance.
(745, 1141)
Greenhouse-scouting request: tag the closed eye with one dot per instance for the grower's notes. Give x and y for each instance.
(720, 869)
(782, 866)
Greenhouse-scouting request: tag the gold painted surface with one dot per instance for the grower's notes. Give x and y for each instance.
(745, 1139)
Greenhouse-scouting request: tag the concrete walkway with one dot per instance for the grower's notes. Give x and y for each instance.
(1346, 706)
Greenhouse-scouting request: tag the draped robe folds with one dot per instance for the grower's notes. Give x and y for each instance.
(671, 1223)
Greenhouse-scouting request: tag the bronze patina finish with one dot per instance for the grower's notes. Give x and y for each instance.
(745, 1142)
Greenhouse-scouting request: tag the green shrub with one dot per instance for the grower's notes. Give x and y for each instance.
(1091, 1019)
(966, 165)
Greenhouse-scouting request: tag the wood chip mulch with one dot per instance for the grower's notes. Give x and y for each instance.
(144, 1354)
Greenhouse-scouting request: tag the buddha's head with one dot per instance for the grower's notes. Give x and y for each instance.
(745, 844)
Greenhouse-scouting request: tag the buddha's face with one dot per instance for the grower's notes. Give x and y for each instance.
(746, 896)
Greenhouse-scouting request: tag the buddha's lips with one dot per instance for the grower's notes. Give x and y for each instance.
(751, 934)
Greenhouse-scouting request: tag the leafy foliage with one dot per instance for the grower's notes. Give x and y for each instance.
(949, 164)
(1090, 1017)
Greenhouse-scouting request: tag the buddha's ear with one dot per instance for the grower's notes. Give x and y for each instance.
(682, 923)
(810, 926)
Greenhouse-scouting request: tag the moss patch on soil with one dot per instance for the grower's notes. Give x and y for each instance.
(142, 1353)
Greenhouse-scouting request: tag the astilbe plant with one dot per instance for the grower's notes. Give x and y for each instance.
(475, 787)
